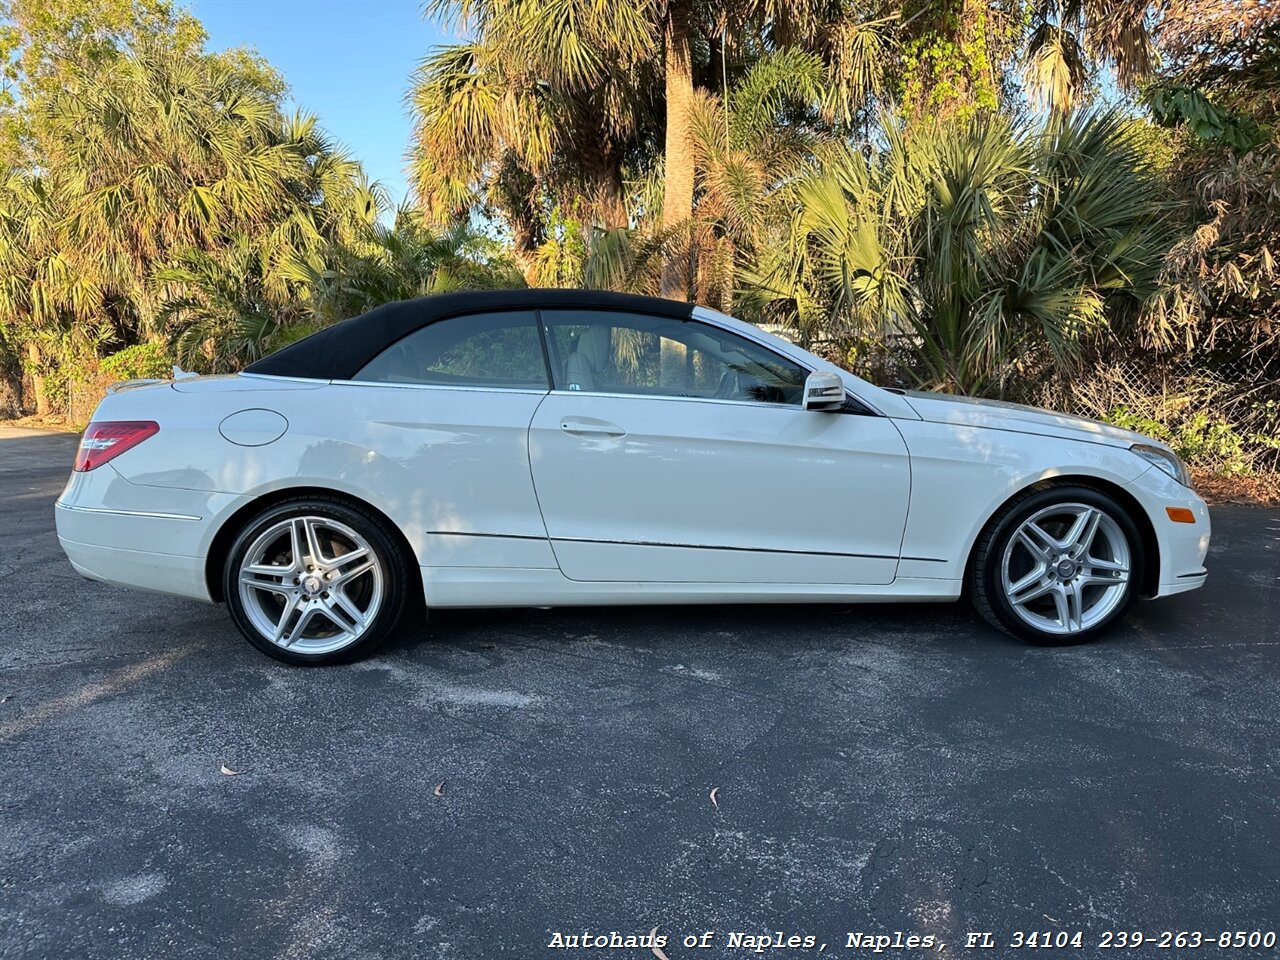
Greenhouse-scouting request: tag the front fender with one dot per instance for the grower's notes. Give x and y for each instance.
(961, 475)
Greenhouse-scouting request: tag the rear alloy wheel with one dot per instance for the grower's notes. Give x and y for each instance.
(1057, 566)
(315, 582)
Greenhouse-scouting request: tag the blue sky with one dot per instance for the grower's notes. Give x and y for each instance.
(347, 61)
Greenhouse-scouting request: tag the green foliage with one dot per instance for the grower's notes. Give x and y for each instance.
(560, 260)
(1175, 105)
(153, 190)
(409, 259)
(976, 241)
(1219, 92)
(541, 106)
(1199, 438)
(140, 361)
(950, 69)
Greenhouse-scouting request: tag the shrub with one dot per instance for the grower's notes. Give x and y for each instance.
(1198, 438)
(139, 362)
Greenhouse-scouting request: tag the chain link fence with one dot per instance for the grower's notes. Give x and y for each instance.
(1220, 410)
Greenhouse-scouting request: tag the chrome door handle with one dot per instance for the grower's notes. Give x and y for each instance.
(586, 427)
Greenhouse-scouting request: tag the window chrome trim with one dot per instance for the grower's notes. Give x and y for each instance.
(126, 513)
(471, 388)
(753, 404)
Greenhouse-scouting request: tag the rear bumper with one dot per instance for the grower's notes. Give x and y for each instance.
(144, 537)
(156, 572)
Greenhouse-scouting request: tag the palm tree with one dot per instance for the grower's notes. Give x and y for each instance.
(408, 259)
(1069, 39)
(166, 178)
(556, 100)
(973, 242)
(751, 149)
(223, 308)
(545, 105)
(169, 152)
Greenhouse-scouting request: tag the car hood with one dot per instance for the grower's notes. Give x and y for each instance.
(1001, 415)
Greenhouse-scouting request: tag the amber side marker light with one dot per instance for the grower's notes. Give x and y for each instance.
(1180, 514)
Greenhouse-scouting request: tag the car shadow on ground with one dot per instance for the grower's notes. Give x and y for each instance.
(733, 625)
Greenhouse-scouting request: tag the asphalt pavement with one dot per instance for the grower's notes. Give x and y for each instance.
(495, 779)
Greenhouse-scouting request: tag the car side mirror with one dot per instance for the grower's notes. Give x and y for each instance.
(823, 391)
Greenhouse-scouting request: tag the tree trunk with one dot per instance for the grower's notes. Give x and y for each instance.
(677, 196)
(607, 191)
(37, 379)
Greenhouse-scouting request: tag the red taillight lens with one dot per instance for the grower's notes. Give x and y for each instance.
(107, 440)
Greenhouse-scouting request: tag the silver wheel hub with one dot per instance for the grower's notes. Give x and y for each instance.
(311, 584)
(1066, 568)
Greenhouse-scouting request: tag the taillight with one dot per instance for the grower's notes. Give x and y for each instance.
(107, 440)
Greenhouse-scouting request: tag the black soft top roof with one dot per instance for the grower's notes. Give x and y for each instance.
(340, 351)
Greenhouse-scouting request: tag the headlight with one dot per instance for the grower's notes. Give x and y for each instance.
(1166, 461)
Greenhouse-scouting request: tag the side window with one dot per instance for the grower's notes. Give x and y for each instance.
(481, 350)
(603, 352)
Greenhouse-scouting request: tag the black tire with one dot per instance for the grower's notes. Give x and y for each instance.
(985, 579)
(395, 581)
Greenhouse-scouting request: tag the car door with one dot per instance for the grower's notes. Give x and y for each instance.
(440, 424)
(676, 451)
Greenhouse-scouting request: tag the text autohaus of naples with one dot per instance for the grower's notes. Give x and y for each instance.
(738, 940)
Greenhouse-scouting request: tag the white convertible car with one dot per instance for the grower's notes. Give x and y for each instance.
(549, 447)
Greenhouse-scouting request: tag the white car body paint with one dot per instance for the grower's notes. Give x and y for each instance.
(605, 468)
(513, 497)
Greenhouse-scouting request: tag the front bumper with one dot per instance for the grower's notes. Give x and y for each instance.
(1183, 546)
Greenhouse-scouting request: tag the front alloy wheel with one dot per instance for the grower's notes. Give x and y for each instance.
(314, 582)
(1057, 566)
(1066, 568)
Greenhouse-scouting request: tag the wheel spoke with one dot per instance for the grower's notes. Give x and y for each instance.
(349, 574)
(1033, 594)
(297, 539)
(339, 600)
(1111, 566)
(291, 606)
(1039, 543)
(348, 558)
(1060, 603)
(259, 580)
(313, 542)
(1033, 577)
(1093, 579)
(1080, 537)
(268, 569)
(1075, 606)
(304, 620)
(1035, 584)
